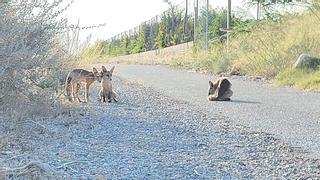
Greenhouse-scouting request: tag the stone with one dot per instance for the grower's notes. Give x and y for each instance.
(307, 61)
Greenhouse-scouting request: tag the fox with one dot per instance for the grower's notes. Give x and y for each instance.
(220, 90)
(75, 77)
(106, 92)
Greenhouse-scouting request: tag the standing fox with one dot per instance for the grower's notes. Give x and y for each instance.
(80, 75)
(220, 90)
(106, 91)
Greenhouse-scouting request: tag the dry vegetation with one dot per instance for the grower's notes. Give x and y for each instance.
(266, 48)
(269, 49)
(33, 59)
(272, 47)
(33, 66)
(162, 56)
(300, 78)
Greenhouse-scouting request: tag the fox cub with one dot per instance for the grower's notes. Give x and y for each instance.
(106, 92)
(220, 90)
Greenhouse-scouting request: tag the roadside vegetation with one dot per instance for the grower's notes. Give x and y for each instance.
(172, 28)
(33, 58)
(267, 47)
(300, 78)
(33, 65)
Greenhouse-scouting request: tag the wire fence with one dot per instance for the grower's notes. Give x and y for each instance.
(181, 7)
(190, 20)
(172, 27)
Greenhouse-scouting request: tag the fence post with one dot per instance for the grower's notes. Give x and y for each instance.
(195, 21)
(228, 23)
(207, 23)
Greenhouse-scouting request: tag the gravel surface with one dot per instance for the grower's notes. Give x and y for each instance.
(149, 135)
(288, 114)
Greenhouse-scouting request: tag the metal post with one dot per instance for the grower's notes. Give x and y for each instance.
(228, 23)
(195, 21)
(258, 10)
(229, 15)
(207, 23)
(185, 22)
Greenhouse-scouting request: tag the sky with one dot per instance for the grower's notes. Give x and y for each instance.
(120, 15)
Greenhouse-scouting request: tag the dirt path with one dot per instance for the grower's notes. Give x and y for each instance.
(149, 135)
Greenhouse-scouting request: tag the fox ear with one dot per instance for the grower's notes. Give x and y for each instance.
(111, 70)
(210, 84)
(94, 70)
(104, 69)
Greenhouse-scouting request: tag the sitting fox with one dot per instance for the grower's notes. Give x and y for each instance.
(80, 75)
(106, 91)
(220, 90)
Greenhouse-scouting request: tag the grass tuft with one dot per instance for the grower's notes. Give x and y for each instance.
(299, 78)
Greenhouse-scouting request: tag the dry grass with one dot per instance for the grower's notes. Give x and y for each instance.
(269, 50)
(33, 65)
(300, 78)
(162, 56)
(274, 46)
(215, 60)
(33, 58)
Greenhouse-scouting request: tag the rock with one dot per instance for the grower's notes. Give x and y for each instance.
(236, 71)
(307, 61)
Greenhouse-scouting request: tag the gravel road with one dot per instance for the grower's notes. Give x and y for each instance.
(150, 134)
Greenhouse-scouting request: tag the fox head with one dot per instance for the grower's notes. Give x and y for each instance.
(96, 74)
(212, 88)
(107, 74)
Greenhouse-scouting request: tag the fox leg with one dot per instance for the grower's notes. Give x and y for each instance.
(78, 87)
(109, 96)
(68, 88)
(75, 91)
(69, 92)
(104, 98)
(100, 95)
(87, 92)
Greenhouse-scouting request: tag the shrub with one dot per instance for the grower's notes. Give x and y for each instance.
(32, 56)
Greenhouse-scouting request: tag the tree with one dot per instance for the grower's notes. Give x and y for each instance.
(160, 40)
(124, 45)
(138, 43)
